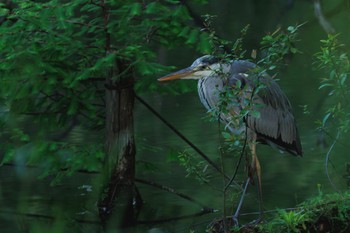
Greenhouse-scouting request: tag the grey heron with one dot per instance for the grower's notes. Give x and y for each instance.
(274, 125)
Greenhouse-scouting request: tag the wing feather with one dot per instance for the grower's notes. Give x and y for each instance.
(276, 123)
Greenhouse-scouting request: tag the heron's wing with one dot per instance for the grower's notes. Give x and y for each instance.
(276, 123)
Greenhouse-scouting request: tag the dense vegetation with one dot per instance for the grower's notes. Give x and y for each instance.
(71, 71)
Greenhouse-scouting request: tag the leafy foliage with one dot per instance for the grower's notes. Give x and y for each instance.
(195, 168)
(335, 62)
(278, 46)
(324, 213)
(288, 221)
(54, 60)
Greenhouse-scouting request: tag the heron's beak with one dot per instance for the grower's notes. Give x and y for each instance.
(178, 74)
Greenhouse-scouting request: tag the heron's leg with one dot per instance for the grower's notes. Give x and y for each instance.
(257, 169)
(254, 168)
(250, 179)
(235, 216)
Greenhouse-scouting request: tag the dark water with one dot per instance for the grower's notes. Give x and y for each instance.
(287, 180)
(31, 205)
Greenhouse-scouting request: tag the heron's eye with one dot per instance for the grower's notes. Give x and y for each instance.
(203, 67)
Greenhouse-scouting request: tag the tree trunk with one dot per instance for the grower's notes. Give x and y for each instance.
(120, 150)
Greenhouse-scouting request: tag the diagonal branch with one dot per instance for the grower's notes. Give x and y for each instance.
(181, 136)
(325, 24)
(171, 190)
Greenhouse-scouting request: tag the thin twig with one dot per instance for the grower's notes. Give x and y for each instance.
(240, 159)
(173, 191)
(9, 164)
(327, 160)
(47, 217)
(332, 137)
(181, 135)
(223, 169)
(325, 24)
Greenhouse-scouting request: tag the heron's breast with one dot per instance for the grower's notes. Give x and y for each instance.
(209, 91)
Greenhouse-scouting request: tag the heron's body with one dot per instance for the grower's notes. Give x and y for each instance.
(274, 125)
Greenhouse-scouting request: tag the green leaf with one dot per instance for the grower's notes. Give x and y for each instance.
(226, 135)
(343, 78)
(294, 50)
(204, 44)
(325, 85)
(291, 29)
(135, 9)
(325, 119)
(193, 36)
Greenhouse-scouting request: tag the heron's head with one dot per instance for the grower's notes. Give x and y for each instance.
(202, 67)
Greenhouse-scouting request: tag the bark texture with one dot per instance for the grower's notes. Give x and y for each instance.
(119, 194)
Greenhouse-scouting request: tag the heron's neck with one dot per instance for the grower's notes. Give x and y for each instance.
(221, 70)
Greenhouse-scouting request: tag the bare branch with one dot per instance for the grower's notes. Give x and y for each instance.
(325, 24)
